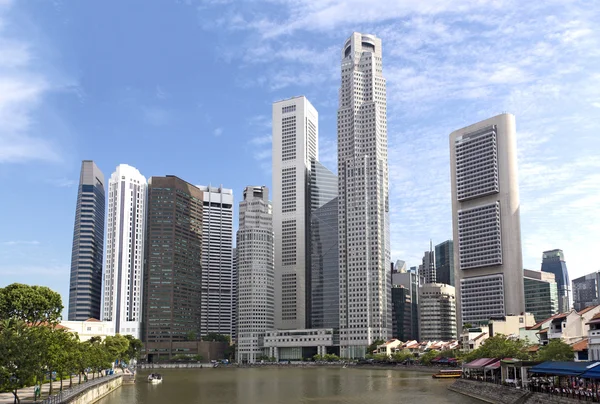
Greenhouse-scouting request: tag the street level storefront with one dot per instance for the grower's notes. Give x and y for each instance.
(514, 372)
(577, 380)
(476, 369)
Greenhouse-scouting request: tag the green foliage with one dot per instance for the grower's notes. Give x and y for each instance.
(428, 356)
(381, 357)
(213, 336)
(230, 352)
(556, 350)
(134, 350)
(117, 348)
(326, 358)
(373, 346)
(402, 356)
(466, 326)
(499, 346)
(32, 304)
(191, 336)
(19, 356)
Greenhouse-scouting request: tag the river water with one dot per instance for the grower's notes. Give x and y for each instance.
(287, 386)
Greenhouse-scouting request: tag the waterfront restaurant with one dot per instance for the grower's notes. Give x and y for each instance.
(476, 369)
(567, 379)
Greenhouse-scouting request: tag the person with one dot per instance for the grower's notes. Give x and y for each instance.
(36, 392)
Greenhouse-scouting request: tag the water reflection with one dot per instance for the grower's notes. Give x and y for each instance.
(293, 385)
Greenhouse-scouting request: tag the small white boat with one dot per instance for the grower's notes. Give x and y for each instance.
(155, 378)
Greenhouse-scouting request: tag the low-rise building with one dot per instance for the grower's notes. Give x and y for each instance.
(510, 325)
(300, 344)
(571, 327)
(472, 338)
(90, 328)
(594, 337)
(389, 347)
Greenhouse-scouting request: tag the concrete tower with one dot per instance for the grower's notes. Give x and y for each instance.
(364, 242)
(295, 144)
(217, 261)
(125, 235)
(486, 224)
(255, 266)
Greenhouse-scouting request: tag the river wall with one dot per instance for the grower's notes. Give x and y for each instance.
(95, 393)
(498, 394)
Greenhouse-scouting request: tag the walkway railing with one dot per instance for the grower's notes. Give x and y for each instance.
(67, 394)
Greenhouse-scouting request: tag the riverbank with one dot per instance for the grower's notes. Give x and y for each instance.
(499, 394)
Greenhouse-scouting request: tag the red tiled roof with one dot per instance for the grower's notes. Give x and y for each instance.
(586, 309)
(479, 336)
(533, 348)
(545, 330)
(538, 325)
(581, 345)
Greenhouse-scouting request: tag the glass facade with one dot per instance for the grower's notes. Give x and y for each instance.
(585, 291)
(541, 298)
(553, 262)
(172, 292)
(444, 263)
(323, 288)
(85, 287)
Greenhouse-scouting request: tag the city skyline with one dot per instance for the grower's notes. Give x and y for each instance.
(554, 163)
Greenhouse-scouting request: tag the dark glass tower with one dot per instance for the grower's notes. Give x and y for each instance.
(85, 286)
(173, 274)
(444, 263)
(553, 261)
(323, 278)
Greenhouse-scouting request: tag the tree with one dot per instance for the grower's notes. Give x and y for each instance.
(214, 337)
(134, 350)
(402, 356)
(466, 326)
(374, 345)
(33, 304)
(19, 356)
(191, 336)
(556, 350)
(428, 356)
(230, 352)
(117, 348)
(500, 346)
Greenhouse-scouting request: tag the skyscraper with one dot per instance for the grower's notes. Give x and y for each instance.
(256, 275)
(125, 250)
(85, 286)
(586, 291)
(410, 282)
(541, 294)
(217, 270)
(444, 263)
(437, 312)
(427, 268)
(324, 291)
(485, 217)
(295, 144)
(365, 278)
(234, 295)
(173, 272)
(553, 261)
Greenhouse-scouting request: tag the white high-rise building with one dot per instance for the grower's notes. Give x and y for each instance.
(123, 272)
(295, 143)
(364, 242)
(216, 314)
(437, 312)
(234, 294)
(488, 264)
(256, 273)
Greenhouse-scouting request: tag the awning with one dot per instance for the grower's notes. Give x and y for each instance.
(592, 373)
(443, 360)
(479, 363)
(563, 368)
(495, 365)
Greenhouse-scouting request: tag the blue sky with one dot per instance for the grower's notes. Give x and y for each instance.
(185, 88)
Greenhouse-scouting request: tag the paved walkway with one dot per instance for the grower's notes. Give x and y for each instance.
(26, 393)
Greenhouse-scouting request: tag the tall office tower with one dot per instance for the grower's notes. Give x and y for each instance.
(125, 236)
(85, 287)
(365, 279)
(586, 291)
(256, 273)
(541, 294)
(485, 216)
(295, 144)
(323, 295)
(173, 272)
(400, 266)
(410, 282)
(437, 312)
(427, 268)
(234, 296)
(401, 313)
(444, 263)
(553, 262)
(217, 263)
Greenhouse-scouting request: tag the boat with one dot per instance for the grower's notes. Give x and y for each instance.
(154, 378)
(448, 374)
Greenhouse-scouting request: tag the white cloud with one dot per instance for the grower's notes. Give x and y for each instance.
(155, 116)
(62, 182)
(218, 132)
(19, 242)
(34, 270)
